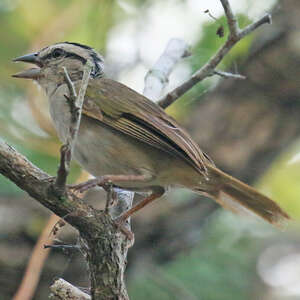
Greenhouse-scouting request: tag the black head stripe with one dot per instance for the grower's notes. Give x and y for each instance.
(75, 56)
(97, 59)
(79, 45)
(98, 62)
(67, 54)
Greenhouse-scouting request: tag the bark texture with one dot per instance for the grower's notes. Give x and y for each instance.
(102, 243)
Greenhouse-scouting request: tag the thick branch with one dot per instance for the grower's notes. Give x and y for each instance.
(61, 289)
(97, 230)
(157, 77)
(209, 68)
(38, 184)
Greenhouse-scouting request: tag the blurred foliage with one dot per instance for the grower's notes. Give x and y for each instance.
(281, 181)
(221, 267)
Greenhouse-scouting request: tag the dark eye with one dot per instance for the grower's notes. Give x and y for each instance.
(57, 53)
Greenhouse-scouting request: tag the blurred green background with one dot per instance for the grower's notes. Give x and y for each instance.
(183, 250)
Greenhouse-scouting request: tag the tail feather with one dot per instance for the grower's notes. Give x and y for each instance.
(239, 197)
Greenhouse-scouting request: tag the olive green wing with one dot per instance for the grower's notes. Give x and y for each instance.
(120, 107)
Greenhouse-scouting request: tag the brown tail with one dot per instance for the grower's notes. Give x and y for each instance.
(238, 197)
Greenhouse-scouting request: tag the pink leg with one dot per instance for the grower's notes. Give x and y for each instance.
(105, 180)
(157, 193)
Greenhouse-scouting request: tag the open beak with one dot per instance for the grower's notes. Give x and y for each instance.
(33, 73)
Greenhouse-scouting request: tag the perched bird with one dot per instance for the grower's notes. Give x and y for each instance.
(130, 140)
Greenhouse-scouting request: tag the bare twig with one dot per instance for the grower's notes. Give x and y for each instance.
(61, 289)
(266, 19)
(71, 87)
(62, 247)
(231, 20)
(235, 36)
(229, 75)
(75, 103)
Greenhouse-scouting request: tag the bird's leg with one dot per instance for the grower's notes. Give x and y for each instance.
(106, 180)
(157, 192)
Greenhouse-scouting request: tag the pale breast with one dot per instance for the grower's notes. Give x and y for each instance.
(60, 112)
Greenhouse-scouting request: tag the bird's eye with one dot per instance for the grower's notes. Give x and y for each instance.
(57, 53)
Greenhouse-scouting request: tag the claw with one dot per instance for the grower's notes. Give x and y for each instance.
(120, 224)
(120, 220)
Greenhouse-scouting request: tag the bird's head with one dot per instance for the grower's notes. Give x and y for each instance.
(50, 61)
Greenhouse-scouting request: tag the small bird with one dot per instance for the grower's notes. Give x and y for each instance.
(129, 140)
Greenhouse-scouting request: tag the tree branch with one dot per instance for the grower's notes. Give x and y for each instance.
(231, 20)
(266, 19)
(208, 69)
(75, 103)
(229, 75)
(61, 289)
(38, 185)
(97, 230)
(157, 77)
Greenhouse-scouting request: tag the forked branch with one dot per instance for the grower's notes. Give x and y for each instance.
(235, 35)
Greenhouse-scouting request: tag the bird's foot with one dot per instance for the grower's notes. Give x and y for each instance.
(84, 186)
(120, 224)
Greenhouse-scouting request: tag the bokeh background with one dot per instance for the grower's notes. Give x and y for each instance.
(186, 247)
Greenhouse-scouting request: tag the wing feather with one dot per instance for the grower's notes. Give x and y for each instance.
(142, 119)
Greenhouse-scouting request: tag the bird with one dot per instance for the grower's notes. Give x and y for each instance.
(131, 141)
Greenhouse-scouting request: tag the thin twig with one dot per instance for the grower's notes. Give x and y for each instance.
(70, 84)
(75, 103)
(62, 247)
(205, 71)
(229, 75)
(231, 20)
(266, 19)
